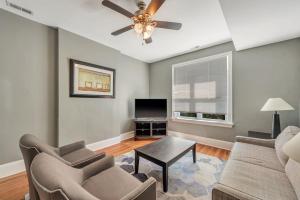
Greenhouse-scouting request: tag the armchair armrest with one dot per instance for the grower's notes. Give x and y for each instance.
(89, 160)
(98, 166)
(261, 142)
(71, 147)
(147, 191)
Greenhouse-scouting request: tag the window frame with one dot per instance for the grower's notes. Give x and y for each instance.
(222, 123)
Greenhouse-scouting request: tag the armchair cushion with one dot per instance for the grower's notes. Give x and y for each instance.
(69, 148)
(145, 192)
(82, 157)
(98, 166)
(111, 184)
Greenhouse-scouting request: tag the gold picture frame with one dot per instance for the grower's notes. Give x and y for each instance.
(91, 81)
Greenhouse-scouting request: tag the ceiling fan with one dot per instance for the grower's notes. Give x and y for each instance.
(143, 24)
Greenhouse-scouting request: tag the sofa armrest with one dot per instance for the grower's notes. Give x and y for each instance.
(98, 166)
(222, 192)
(71, 147)
(256, 141)
(147, 191)
(89, 160)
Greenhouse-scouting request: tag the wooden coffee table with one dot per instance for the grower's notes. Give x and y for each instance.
(164, 153)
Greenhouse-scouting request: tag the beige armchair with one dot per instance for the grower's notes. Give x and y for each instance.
(55, 180)
(75, 155)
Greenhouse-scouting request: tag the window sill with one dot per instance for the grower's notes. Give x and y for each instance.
(204, 122)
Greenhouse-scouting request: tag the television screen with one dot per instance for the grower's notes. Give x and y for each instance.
(150, 108)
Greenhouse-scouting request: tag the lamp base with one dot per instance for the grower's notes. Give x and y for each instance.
(276, 125)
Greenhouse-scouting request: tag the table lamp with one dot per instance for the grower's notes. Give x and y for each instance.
(276, 104)
(292, 148)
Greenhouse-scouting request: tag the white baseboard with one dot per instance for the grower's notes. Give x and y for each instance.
(103, 143)
(27, 197)
(126, 136)
(111, 141)
(18, 166)
(12, 168)
(203, 140)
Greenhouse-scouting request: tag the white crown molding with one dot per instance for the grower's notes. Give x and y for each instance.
(204, 140)
(18, 166)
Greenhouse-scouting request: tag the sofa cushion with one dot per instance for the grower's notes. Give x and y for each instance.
(287, 134)
(292, 169)
(257, 155)
(257, 181)
(111, 184)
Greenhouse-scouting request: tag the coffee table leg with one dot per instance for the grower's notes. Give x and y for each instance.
(165, 178)
(194, 154)
(136, 163)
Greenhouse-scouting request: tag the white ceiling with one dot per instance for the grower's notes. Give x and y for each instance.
(251, 23)
(203, 24)
(255, 23)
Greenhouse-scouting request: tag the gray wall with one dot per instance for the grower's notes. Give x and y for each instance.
(95, 119)
(34, 87)
(27, 83)
(259, 73)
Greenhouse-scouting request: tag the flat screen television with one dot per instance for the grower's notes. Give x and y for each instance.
(150, 108)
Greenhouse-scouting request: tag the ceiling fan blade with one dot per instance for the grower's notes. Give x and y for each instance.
(117, 8)
(122, 30)
(168, 25)
(154, 6)
(148, 41)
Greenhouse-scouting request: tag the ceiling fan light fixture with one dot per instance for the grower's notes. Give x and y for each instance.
(138, 27)
(146, 35)
(149, 28)
(148, 31)
(143, 24)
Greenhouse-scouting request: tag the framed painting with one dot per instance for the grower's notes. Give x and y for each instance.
(90, 80)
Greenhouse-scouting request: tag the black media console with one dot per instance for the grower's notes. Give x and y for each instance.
(150, 128)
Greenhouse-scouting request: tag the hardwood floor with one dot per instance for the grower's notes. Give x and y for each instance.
(16, 186)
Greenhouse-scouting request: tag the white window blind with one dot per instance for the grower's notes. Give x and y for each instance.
(203, 86)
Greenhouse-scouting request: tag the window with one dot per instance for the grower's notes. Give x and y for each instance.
(202, 90)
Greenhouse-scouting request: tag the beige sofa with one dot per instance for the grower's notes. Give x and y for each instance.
(258, 169)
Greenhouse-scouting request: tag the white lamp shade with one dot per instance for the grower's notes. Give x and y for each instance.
(292, 148)
(276, 104)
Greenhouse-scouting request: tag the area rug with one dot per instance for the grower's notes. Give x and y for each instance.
(187, 180)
